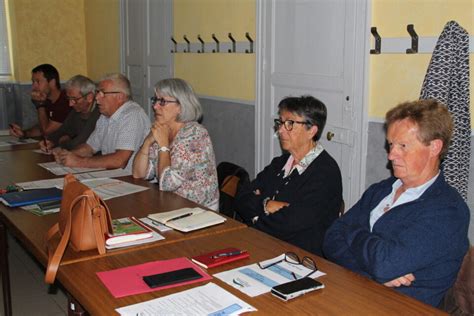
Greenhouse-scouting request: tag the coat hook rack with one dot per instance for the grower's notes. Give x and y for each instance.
(378, 40)
(175, 45)
(414, 39)
(249, 51)
(217, 43)
(233, 44)
(188, 50)
(202, 44)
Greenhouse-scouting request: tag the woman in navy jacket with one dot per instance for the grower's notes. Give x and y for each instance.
(299, 195)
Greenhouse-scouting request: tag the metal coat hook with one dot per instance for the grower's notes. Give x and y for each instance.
(249, 51)
(202, 44)
(188, 45)
(233, 43)
(414, 40)
(175, 44)
(378, 41)
(217, 43)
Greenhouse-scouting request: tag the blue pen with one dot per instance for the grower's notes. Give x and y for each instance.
(228, 254)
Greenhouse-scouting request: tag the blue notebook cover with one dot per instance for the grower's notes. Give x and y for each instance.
(27, 197)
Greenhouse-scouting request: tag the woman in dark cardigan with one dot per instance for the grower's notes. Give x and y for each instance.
(298, 196)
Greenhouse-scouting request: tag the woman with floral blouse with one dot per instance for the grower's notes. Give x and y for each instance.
(178, 150)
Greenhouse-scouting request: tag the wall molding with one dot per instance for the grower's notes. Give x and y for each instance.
(223, 99)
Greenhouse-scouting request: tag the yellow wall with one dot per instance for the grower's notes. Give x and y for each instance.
(48, 31)
(76, 36)
(222, 75)
(102, 37)
(395, 78)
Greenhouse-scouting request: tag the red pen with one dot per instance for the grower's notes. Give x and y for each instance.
(45, 143)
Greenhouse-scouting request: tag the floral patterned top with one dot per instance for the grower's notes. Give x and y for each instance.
(192, 173)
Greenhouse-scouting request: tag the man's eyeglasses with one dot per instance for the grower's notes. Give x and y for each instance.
(75, 99)
(288, 124)
(104, 93)
(161, 101)
(293, 258)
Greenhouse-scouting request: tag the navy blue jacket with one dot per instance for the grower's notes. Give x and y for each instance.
(315, 198)
(426, 237)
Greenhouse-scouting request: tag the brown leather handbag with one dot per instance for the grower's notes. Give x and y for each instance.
(84, 221)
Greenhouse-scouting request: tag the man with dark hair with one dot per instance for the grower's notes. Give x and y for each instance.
(50, 101)
(408, 232)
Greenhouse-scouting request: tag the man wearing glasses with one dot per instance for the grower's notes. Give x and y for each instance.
(50, 102)
(80, 122)
(119, 131)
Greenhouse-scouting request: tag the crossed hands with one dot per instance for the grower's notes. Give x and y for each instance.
(273, 206)
(159, 133)
(65, 157)
(405, 280)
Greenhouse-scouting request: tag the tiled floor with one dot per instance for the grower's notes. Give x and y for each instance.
(29, 292)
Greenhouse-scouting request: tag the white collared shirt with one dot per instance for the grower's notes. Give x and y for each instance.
(304, 163)
(409, 195)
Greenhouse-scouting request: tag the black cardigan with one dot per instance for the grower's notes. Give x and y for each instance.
(315, 198)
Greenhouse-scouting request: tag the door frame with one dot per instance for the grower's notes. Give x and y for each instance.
(360, 85)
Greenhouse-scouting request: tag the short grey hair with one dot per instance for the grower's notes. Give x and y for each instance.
(84, 84)
(182, 91)
(120, 81)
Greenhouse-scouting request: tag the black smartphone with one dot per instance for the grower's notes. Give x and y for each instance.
(171, 277)
(292, 289)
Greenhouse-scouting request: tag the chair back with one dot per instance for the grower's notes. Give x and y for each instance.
(230, 177)
(459, 300)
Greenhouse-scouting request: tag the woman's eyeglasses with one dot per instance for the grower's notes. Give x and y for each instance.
(288, 124)
(293, 258)
(161, 101)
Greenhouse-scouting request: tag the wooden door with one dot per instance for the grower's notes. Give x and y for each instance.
(318, 48)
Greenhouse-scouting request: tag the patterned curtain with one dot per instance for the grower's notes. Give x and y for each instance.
(447, 80)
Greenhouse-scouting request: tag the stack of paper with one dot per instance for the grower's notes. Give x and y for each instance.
(208, 299)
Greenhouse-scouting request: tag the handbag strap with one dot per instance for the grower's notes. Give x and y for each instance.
(55, 258)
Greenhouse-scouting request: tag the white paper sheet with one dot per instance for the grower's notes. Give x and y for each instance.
(108, 188)
(208, 299)
(253, 281)
(61, 170)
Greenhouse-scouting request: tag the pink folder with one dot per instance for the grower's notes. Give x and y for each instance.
(129, 281)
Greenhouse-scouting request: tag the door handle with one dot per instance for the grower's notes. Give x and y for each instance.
(329, 136)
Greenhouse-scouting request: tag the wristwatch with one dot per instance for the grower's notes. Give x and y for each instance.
(265, 201)
(163, 148)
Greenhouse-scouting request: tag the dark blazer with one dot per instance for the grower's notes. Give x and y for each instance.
(426, 237)
(315, 198)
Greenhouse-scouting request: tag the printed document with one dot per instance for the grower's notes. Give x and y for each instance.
(61, 170)
(209, 299)
(110, 188)
(253, 281)
(58, 182)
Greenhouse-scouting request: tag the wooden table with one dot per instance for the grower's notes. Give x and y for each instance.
(30, 229)
(345, 292)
